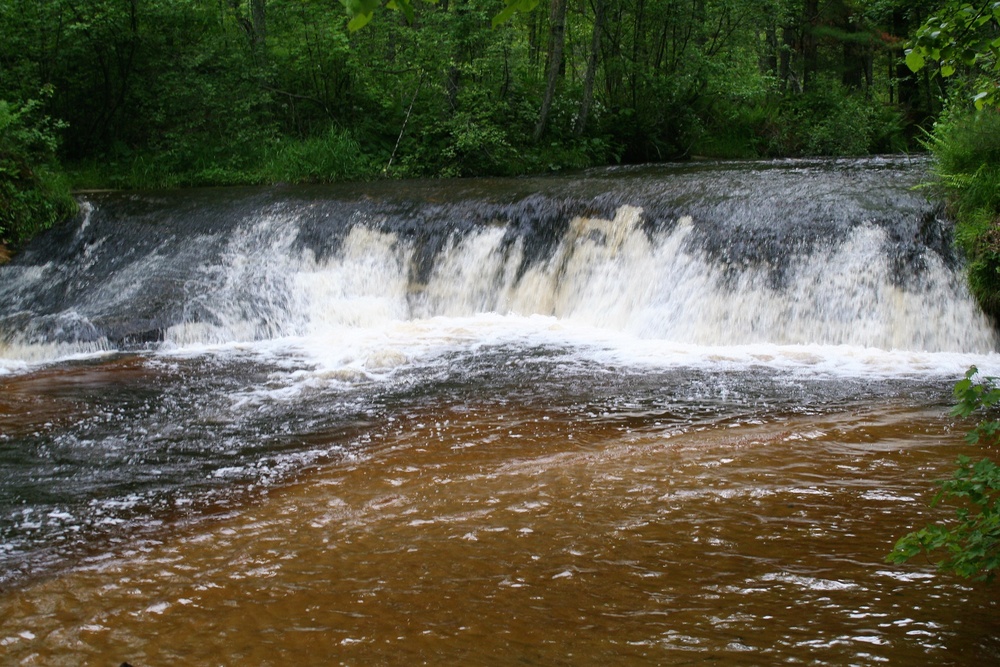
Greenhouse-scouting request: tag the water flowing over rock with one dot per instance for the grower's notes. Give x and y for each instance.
(797, 252)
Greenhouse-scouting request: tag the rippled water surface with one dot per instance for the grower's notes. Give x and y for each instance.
(558, 512)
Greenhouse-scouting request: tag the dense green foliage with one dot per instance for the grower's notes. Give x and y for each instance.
(33, 194)
(963, 37)
(171, 92)
(961, 42)
(966, 147)
(971, 542)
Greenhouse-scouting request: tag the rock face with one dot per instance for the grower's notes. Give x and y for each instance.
(4, 254)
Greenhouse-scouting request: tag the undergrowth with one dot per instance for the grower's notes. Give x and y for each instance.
(966, 148)
(33, 192)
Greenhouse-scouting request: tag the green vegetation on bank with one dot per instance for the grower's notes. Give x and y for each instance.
(960, 43)
(33, 192)
(966, 147)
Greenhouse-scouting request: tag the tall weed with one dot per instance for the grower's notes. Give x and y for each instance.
(332, 156)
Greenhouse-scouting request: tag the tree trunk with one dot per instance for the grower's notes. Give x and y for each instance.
(258, 33)
(557, 38)
(785, 69)
(810, 52)
(908, 86)
(857, 52)
(588, 79)
(769, 62)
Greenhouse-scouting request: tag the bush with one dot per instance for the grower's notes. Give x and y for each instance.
(33, 194)
(830, 120)
(741, 129)
(334, 156)
(966, 148)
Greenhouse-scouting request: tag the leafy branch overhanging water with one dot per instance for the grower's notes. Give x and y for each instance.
(971, 541)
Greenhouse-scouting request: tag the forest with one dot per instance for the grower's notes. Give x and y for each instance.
(166, 93)
(163, 92)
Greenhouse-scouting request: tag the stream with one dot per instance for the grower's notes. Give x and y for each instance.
(664, 415)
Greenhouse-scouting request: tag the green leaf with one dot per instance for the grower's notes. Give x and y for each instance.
(512, 7)
(404, 6)
(359, 21)
(947, 70)
(914, 60)
(504, 15)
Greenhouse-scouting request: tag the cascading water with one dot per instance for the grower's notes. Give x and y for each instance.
(816, 253)
(372, 372)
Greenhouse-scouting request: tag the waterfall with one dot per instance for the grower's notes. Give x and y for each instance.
(799, 253)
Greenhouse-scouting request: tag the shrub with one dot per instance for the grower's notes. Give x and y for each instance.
(333, 156)
(831, 120)
(33, 194)
(966, 148)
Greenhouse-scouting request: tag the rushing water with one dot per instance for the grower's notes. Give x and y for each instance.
(640, 416)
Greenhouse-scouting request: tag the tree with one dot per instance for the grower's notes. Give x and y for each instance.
(962, 37)
(553, 61)
(255, 27)
(600, 11)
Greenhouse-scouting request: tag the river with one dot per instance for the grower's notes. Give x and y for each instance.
(662, 415)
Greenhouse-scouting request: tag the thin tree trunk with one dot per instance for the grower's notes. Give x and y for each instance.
(588, 80)
(557, 39)
(785, 58)
(258, 35)
(810, 50)
(769, 62)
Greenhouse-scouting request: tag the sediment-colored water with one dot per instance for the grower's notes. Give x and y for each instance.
(474, 533)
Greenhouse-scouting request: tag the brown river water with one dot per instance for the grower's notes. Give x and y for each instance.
(472, 532)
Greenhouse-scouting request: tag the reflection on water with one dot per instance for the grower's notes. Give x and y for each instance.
(462, 529)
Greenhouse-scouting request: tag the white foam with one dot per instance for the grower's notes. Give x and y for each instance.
(610, 292)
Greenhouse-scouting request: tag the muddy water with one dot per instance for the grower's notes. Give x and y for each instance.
(478, 531)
